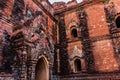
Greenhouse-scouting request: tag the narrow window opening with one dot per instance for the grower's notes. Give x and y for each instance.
(77, 65)
(118, 22)
(41, 70)
(74, 33)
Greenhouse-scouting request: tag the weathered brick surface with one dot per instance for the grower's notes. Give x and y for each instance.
(7, 78)
(71, 16)
(98, 27)
(42, 33)
(97, 20)
(116, 3)
(104, 56)
(72, 45)
(25, 17)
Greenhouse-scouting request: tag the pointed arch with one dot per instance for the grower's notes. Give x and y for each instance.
(74, 33)
(77, 65)
(42, 69)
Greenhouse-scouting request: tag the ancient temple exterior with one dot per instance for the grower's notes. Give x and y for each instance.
(59, 41)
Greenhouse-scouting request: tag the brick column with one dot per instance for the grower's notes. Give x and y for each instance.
(86, 42)
(64, 64)
(23, 68)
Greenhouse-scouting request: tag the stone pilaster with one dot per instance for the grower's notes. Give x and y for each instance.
(64, 64)
(86, 41)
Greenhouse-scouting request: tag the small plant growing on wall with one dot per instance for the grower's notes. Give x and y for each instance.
(103, 1)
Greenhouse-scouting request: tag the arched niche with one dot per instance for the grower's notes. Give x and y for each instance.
(42, 69)
(77, 60)
(77, 65)
(72, 29)
(74, 33)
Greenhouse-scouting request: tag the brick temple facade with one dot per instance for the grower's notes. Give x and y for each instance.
(59, 41)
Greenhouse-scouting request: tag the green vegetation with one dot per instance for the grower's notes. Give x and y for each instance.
(103, 1)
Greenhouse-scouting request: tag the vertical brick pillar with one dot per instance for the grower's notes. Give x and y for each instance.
(33, 70)
(86, 41)
(29, 70)
(64, 64)
(110, 13)
(23, 74)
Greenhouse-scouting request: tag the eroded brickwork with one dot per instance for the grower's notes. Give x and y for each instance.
(27, 32)
(73, 39)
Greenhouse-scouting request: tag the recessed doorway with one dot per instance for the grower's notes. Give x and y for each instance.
(42, 70)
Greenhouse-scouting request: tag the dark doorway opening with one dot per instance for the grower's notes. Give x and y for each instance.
(77, 64)
(41, 72)
(74, 33)
(118, 22)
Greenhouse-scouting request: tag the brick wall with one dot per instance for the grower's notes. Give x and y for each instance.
(103, 51)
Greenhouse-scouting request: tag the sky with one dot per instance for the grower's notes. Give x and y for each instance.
(52, 1)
